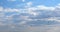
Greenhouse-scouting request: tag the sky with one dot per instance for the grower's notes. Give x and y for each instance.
(22, 3)
(29, 15)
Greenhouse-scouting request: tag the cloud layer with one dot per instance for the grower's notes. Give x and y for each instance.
(30, 19)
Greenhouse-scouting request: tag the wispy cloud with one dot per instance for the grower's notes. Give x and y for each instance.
(23, 0)
(11, 0)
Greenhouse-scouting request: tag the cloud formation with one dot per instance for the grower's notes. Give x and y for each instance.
(22, 17)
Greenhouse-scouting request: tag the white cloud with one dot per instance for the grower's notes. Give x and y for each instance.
(42, 7)
(58, 6)
(23, 0)
(2, 15)
(49, 19)
(30, 10)
(33, 13)
(11, 10)
(1, 8)
(53, 19)
(8, 10)
(29, 4)
(23, 23)
(11, 0)
(24, 17)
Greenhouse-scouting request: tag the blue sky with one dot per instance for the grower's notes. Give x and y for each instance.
(29, 15)
(21, 3)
